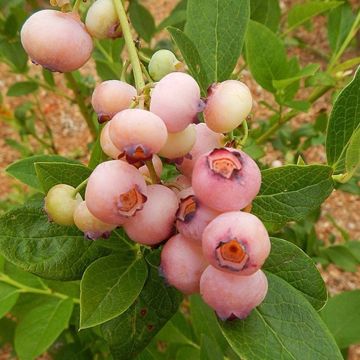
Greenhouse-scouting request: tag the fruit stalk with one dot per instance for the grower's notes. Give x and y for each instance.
(133, 55)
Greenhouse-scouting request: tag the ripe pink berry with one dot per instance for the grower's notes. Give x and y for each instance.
(92, 227)
(57, 41)
(115, 192)
(60, 204)
(179, 144)
(236, 242)
(192, 216)
(227, 106)
(102, 20)
(138, 133)
(158, 166)
(107, 145)
(231, 295)
(182, 264)
(111, 97)
(155, 222)
(206, 140)
(226, 179)
(176, 99)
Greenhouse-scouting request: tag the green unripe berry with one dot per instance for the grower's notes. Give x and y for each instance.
(60, 204)
(162, 63)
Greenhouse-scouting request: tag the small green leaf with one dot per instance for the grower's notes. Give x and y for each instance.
(266, 56)
(341, 256)
(284, 326)
(301, 13)
(289, 193)
(339, 24)
(31, 242)
(108, 71)
(48, 77)
(266, 12)
(22, 88)
(109, 286)
(8, 298)
(176, 18)
(341, 315)
(217, 29)
(41, 327)
(343, 122)
(97, 154)
(191, 57)
(14, 54)
(129, 333)
(53, 173)
(290, 263)
(307, 71)
(142, 20)
(352, 157)
(24, 169)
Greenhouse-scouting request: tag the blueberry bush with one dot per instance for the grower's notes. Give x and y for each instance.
(176, 240)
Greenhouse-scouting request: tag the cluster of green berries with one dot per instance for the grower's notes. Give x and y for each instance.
(211, 244)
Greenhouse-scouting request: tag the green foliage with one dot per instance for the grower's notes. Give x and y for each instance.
(22, 88)
(266, 12)
(341, 315)
(142, 20)
(344, 121)
(217, 29)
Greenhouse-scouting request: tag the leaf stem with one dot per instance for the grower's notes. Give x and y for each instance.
(79, 99)
(28, 289)
(133, 54)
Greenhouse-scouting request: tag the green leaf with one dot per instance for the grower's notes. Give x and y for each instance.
(352, 157)
(209, 349)
(307, 71)
(97, 154)
(341, 256)
(343, 122)
(14, 54)
(266, 55)
(341, 315)
(8, 298)
(108, 71)
(266, 12)
(176, 18)
(109, 286)
(205, 323)
(217, 29)
(24, 169)
(142, 20)
(31, 242)
(339, 24)
(129, 333)
(53, 173)
(186, 353)
(48, 77)
(301, 13)
(290, 263)
(191, 57)
(284, 326)
(22, 88)
(291, 192)
(41, 327)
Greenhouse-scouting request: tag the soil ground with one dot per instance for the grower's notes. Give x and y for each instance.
(71, 136)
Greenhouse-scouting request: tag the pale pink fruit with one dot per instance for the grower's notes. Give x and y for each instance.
(138, 133)
(226, 179)
(192, 216)
(115, 192)
(111, 97)
(107, 145)
(178, 184)
(60, 204)
(236, 242)
(155, 222)
(92, 227)
(231, 295)
(228, 104)
(57, 41)
(182, 264)
(176, 99)
(102, 20)
(179, 144)
(206, 140)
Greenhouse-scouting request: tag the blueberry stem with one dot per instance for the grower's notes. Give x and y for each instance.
(80, 187)
(153, 175)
